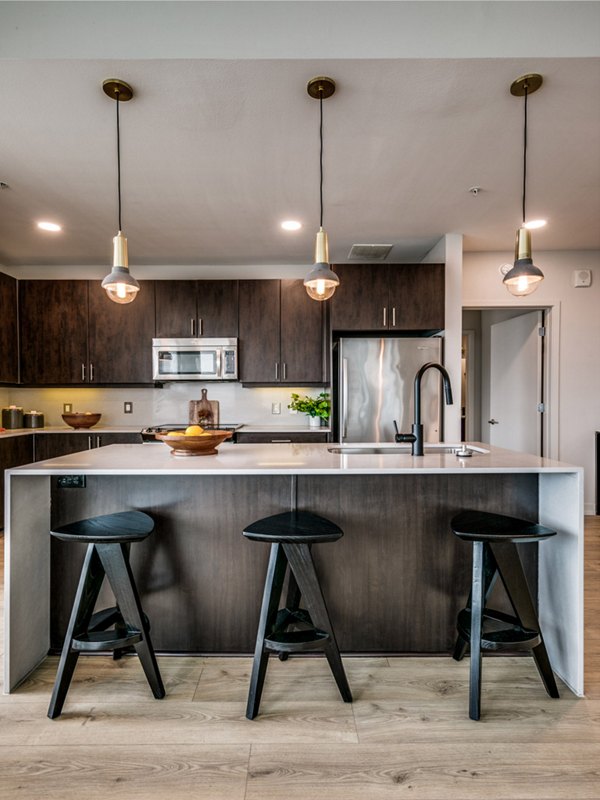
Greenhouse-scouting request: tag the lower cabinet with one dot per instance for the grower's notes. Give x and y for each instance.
(282, 438)
(14, 452)
(53, 445)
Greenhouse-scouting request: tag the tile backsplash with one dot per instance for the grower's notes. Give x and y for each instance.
(161, 406)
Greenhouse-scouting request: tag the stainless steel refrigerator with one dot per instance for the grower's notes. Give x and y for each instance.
(375, 383)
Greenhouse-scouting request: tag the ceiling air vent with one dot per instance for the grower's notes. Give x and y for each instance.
(370, 252)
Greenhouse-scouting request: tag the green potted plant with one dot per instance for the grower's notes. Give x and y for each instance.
(318, 408)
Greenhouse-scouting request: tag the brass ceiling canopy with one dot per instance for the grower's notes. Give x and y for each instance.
(320, 87)
(114, 87)
(531, 83)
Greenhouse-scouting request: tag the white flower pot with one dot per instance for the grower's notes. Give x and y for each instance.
(314, 422)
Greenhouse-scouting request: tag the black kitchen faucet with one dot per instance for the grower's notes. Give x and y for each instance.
(416, 437)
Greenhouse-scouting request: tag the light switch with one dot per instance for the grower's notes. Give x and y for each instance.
(67, 408)
(128, 408)
(275, 408)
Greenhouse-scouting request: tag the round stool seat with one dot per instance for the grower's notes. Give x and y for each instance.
(126, 526)
(293, 527)
(481, 526)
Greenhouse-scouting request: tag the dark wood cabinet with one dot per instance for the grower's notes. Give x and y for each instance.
(389, 297)
(14, 452)
(53, 318)
(9, 338)
(54, 445)
(282, 334)
(285, 437)
(196, 308)
(120, 336)
(72, 334)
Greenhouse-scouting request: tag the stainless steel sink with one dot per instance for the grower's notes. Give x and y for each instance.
(402, 449)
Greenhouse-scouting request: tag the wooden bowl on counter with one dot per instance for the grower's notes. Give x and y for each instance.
(79, 419)
(204, 445)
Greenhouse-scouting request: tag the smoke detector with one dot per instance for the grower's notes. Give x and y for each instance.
(370, 252)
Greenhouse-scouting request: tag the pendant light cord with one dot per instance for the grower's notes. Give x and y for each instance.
(321, 155)
(119, 161)
(525, 153)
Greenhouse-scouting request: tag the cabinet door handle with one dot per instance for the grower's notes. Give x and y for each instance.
(394, 317)
(192, 327)
(91, 371)
(98, 441)
(284, 371)
(277, 370)
(200, 327)
(89, 442)
(385, 317)
(83, 372)
(281, 441)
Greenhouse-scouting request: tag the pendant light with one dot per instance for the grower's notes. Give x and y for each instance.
(321, 282)
(120, 286)
(524, 277)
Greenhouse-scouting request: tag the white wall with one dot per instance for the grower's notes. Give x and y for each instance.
(576, 409)
(163, 406)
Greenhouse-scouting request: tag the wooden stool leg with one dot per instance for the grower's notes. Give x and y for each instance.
(90, 581)
(490, 572)
(118, 571)
(302, 565)
(292, 603)
(515, 583)
(460, 648)
(268, 615)
(477, 600)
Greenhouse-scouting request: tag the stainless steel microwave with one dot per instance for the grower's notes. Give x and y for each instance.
(194, 359)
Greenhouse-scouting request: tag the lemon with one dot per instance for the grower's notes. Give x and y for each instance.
(175, 433)
(194, 430)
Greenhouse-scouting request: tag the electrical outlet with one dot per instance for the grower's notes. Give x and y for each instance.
(582, 278)
(67, 408)
(275, 408)
(128, 408)
(71, 481)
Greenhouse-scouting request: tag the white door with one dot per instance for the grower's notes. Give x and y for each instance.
(516, 383)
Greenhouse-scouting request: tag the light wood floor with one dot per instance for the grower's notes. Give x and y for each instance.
(406, 735)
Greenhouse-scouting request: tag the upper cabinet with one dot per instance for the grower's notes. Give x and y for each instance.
(9, 350)
(282, 334)
(72, 334)
(389, 297)
(196, 308)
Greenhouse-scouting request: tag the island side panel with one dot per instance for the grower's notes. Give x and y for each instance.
(200, 580)
(398, 578)
(26, 576)
(561, 575)
(394, 583)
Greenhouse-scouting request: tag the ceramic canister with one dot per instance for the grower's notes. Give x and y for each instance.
(33, 419)
(12, 417)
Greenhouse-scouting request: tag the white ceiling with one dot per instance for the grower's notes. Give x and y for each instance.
(216, 152)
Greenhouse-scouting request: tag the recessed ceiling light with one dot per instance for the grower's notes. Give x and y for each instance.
(49, 226)
(535, 223)
(291, 225)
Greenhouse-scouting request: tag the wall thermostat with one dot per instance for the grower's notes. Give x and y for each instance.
(582, 278)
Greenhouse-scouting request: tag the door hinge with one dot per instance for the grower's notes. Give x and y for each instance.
(542, 330)
(541, 407)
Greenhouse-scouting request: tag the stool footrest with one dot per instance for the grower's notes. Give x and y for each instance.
(296, 641)
(104, 619)
(105, 640)
(298, 617)
(499, 631)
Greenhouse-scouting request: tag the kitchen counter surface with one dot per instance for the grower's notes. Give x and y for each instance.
(291, 428)
(66, 429)
(286, 459)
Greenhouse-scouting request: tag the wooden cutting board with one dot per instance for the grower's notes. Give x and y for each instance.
(198, 416)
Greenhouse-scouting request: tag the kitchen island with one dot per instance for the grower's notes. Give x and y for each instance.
(394, 583)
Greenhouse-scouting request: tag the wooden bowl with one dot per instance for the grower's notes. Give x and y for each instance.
(80, 420)
(205, 445)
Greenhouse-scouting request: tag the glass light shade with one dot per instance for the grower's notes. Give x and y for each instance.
(321, 282)
(120, 286)
(524, 277)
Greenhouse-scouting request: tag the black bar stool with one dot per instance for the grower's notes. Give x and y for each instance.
(108, 538)
(494, 539)
(291, 535)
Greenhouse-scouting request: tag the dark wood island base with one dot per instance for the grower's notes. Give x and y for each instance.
(395, 585)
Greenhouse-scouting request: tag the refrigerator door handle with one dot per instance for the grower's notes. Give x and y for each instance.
(344, 399)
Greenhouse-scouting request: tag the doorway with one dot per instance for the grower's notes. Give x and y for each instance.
(505, 378)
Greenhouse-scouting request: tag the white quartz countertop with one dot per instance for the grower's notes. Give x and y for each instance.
(266, 459)
(295, 429)
(66, 429)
